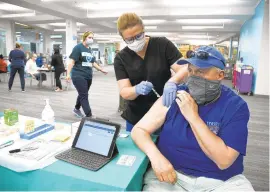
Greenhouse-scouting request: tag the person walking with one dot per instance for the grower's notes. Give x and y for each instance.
(80, 64)
(57, 62)
(17, 60)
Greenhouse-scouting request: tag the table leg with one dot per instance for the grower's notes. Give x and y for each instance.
(40, 79)
(52, 79)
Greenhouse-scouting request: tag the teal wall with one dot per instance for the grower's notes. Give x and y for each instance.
(251, 39)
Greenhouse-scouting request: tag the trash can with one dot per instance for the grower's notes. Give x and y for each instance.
(244, 77)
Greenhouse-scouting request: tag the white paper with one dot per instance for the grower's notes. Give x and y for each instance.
(126, 160)
(247, 72)
(20, 164)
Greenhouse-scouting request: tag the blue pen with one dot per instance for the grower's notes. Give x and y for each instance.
(6, 144)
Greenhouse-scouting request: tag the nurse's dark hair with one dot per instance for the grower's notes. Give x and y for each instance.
(86, 34)
(128, 20)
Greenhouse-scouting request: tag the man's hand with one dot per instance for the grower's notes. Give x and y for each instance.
(187, 105)
(169, 93)
(163, 169)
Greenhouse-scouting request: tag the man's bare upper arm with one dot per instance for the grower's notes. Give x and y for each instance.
(154, 118)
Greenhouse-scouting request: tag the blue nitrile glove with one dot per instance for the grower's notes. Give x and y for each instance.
(143, 88)
(169, 93)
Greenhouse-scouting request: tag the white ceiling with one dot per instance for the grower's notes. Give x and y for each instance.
(183, 21)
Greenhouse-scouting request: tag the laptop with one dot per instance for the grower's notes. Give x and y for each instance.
(94, 144)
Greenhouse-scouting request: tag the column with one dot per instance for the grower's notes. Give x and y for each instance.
(10, 36)
(71, 36)
(262, 81)
(47, 43)
(230, 48)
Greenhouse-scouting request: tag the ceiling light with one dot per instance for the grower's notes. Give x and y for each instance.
(21, 24)
(203, 21)
(59, 30)
(195, 36)
(150, 27)
(152, 22)
(200, 42)
(10, 7)
(64, 24)
(18, 32)
(104, 41)
(203, 27)
(18, 15)
(56, 36)
(109, 5)
(158, 33)
(107, 35)
(200, 3)
(63, 29)
(201, 11)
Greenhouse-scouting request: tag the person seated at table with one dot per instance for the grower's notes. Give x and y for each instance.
(39, 62)
(57, 62)
(32, 69)
(3, 64)
(203, 135)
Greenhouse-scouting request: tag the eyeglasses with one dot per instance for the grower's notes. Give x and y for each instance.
(132, 39)
(90, 37)
(204, 55)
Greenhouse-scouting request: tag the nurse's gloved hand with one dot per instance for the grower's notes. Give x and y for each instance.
(143, 88)
(169, 93)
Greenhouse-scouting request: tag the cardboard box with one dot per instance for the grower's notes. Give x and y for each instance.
(11, 116)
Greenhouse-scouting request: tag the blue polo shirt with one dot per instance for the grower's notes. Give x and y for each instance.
(227, 118)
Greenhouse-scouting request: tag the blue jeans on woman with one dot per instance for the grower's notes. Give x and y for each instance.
(82, 85)
(13, 71)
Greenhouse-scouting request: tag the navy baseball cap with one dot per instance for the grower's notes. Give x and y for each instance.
(205, 57)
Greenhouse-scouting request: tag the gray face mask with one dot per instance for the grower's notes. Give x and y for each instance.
(203, 91)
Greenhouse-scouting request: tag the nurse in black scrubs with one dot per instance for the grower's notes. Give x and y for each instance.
(143, 65)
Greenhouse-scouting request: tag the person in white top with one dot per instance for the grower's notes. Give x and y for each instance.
(32, 69)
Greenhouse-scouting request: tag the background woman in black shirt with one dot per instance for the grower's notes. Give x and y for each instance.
(145, 65)
(57, 62)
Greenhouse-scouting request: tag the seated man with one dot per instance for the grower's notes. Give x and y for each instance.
(3, 64)
(39, 60)
(32, 69)
(203, 134)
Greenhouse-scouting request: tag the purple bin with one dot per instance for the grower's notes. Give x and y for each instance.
(244, 80)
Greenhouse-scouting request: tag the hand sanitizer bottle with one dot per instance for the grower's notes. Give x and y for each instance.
(48, 113)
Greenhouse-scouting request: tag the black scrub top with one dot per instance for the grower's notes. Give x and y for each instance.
(155, 68)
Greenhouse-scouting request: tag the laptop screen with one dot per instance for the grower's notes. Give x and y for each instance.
(96, 137)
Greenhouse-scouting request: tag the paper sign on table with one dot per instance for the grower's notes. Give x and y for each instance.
(126, 160)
